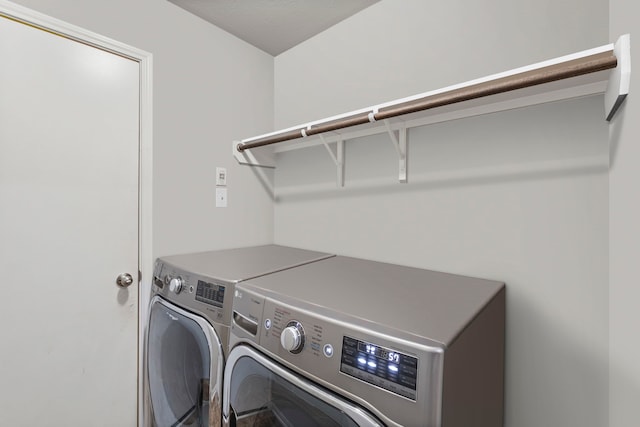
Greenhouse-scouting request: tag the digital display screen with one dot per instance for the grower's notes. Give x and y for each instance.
(210, 293)
(379, 352)
(381, 366)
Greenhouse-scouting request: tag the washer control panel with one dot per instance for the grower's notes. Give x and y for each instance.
(367, 362)
(311, 342)
(380, 366)
(295, 333)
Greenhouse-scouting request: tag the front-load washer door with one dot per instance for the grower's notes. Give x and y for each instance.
(259, 392)
(184, 368)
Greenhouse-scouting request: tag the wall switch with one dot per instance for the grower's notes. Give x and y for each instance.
(221, 177)
(221, 197)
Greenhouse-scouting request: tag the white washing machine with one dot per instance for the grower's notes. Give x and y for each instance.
(348, 342)
(188, 328)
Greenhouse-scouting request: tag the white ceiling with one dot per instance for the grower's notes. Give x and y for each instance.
(274, 25)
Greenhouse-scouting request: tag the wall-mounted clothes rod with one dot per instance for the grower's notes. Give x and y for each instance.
(604, 69)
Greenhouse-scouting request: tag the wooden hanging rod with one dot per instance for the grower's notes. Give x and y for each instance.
(573, 68)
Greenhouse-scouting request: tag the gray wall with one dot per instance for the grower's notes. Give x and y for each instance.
(520, 196)
(624, 234)
(209, 88)
(395, 49)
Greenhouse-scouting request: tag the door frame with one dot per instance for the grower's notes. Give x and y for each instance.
(145, 172)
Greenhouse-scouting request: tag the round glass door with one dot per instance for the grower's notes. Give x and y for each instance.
(260, 393)
(184, 359)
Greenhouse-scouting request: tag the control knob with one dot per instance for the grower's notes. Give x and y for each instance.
(292, 337)
(175, 285)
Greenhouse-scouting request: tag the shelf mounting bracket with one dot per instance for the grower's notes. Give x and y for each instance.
(337, 157)
(620, 77)
(399, 142)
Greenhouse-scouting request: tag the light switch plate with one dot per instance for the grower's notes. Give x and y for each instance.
(221, 176)
(221, 197)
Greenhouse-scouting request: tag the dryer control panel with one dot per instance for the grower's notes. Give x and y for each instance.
(192, 291)
(210, 293)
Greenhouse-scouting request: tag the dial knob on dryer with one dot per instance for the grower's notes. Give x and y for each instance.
(292, 337)
(175, 285)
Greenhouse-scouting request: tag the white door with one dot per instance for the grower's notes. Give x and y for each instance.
(69, 152)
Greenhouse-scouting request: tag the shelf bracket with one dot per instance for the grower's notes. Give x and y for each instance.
(337, 157)
(399, 142)
(620, 77)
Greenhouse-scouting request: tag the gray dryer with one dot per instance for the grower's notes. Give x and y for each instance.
(188, 328)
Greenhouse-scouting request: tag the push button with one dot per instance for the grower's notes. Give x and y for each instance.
(328, 350)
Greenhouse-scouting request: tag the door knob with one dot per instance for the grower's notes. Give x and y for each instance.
(124, 280)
